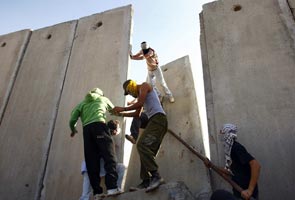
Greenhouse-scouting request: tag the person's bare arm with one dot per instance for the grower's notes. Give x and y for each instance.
(255, 172)
(131, 102)
(138, 56)
(135, 113)
(145, 88)
(149, 54)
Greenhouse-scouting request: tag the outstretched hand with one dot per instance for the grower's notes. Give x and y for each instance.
(117, 109)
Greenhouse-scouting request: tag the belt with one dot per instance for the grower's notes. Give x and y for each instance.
(159, 113)
(154, 69)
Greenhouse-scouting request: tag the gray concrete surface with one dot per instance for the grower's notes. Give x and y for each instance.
(28, 120)
(248, 61)
(12, 48)
(176, 162)
(292, 6)
(168, 191)
(43, 76)
(99, 58)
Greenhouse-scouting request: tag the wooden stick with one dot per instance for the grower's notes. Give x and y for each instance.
(203, 158)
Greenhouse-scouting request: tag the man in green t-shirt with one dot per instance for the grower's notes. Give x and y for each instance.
(97, 140)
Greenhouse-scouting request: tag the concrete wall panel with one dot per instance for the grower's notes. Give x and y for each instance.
(99, 58)
(249, 77)
(12, 47)
(27, 125)
(292, 6)
(176, 162)
(172, 190)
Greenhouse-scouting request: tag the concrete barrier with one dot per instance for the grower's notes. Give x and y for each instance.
(12, 48)
(170, 191)
(29, 117)
(99, 58)
(248, 63)
(176, 162)
(42, 78)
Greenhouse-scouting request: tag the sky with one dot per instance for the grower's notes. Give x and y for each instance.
(171, 27)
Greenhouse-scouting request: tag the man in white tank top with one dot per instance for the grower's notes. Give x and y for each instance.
(150, 140)
(154, 71)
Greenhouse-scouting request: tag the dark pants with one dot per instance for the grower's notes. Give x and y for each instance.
(138, 122)
(99, 144)
(149, 144)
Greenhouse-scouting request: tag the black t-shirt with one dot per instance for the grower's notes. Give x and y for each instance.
(241, 168)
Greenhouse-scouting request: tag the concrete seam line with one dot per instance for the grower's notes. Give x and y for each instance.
(14, 75)
(43, 170)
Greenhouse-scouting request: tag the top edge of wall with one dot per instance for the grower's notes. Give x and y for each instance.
(186, 57)
(207, 5)
(111, 10)
(17, 32)
(129, 6)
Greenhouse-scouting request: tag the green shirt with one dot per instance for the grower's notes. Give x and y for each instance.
(92, 109)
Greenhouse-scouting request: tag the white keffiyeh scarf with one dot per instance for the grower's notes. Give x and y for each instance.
(230, 135)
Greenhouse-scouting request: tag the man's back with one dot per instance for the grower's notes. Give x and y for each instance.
(240, 167)
(92, 109)
(152, 104)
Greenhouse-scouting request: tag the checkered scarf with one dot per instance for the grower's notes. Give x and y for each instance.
(230, 135)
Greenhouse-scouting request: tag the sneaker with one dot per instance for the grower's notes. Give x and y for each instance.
(143, 185)
(113, 192)
(99, 196)
(171, 99)
(155, 183)
(130, 138)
